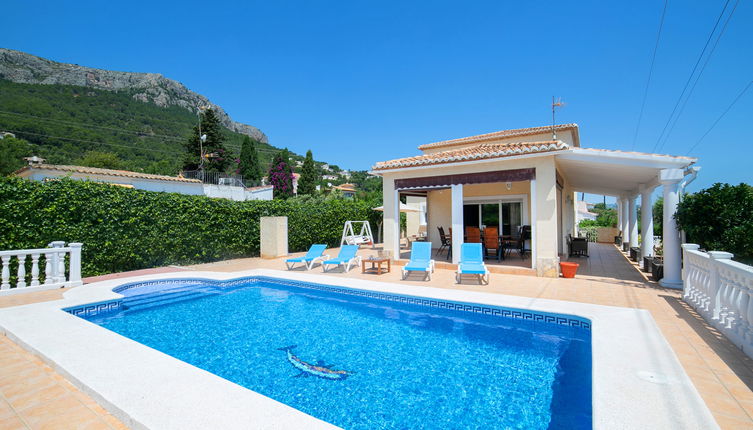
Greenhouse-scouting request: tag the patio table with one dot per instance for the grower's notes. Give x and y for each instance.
(376, 265)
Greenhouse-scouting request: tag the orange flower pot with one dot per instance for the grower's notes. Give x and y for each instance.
(568, 269)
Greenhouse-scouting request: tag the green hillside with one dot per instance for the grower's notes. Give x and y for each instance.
(63, 123)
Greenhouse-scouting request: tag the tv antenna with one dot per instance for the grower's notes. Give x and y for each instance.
(555, 104)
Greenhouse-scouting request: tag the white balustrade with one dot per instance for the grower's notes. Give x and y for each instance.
(54, 268)
(721, 291)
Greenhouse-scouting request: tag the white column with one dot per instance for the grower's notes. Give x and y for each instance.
(74, 268)
(633, 222)
(625, 222)
(647, 222)
(457, 221)
(670, 179)
(534, 230)
(395, 212)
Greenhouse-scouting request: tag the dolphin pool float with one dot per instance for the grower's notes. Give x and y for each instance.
(319, 369)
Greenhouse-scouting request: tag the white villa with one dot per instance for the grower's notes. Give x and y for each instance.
(529, 177)
(144, 181)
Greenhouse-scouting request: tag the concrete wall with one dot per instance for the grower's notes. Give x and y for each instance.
(543, 207)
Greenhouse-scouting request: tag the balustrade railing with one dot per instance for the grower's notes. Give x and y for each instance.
(721, 291)
(53, 275)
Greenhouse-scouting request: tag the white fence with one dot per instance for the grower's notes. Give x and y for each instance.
(54, 275)
(721, 290)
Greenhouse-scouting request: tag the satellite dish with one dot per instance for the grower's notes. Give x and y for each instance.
(203, 137)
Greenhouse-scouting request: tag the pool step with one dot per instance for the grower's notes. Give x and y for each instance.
(151, 300)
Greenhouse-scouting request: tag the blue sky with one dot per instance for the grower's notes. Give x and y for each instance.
(359, 82)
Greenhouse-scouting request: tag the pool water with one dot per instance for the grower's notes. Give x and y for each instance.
(366, 363)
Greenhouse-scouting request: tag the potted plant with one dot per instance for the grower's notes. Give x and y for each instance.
(634, 253)
(568, 269)
(647, 263)
(657, 265)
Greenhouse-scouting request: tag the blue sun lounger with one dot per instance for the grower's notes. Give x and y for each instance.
(420, 260)
(346, 258)
(316, 253)
(472, 263)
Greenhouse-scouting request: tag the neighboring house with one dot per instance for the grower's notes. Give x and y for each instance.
(583, 213)
(529, 177)
(329, 177)
(143, 181)
(348, 190)
(325, 167)
(4, 134)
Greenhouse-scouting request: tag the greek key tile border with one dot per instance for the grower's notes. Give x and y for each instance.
(535, 316)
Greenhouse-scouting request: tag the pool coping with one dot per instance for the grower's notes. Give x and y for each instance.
(638, 381)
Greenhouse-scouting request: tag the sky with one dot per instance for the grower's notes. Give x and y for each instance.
(359, 82)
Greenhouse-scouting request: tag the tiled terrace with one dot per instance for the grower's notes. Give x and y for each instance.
(722, 374)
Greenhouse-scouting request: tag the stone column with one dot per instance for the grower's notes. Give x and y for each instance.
(633, 223)
(457, 221)
(670, 180)
(647, 222)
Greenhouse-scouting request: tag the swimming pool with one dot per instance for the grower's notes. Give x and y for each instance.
(361, 359)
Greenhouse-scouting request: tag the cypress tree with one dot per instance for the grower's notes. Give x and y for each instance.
(217, 159)
(307, 181)
(281, 176)
(249, 160)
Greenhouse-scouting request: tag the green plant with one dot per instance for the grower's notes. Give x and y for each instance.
(216, 157)
(720, 218)
(12, 153)
(248, 165)
(103, 160)
(589, 232)
(124, 229)
(281, 175)
(307, 181)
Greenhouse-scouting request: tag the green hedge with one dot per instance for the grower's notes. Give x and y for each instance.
(124, 229)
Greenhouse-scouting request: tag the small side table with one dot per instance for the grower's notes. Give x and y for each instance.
(376, 265)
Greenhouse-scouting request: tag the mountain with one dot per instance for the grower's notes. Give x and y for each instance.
(20, 67)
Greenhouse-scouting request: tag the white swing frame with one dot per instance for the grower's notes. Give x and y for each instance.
(365, 237)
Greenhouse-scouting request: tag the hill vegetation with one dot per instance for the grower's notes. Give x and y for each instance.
(63, 123)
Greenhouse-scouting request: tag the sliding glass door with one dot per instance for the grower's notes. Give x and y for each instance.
(506, 216)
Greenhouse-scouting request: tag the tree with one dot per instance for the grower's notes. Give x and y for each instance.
(12, 153)
(307, 181)
(658, 213)
(249, 160)
(281, 176)
(720, 218)
(103, 160)
(216, 157)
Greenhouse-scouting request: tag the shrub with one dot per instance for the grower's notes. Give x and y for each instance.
(720, 218)
(124, 229)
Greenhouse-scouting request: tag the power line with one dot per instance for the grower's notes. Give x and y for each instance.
(739, 96)
(650, 72)
(89, 141)
(698, 76)
(695, 67)
(79, 124)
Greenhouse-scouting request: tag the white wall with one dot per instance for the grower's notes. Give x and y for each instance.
(238, 194)
(191, 188)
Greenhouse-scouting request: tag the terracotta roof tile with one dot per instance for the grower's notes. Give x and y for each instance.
(478, 152)
(499, 135)
(110, 172)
